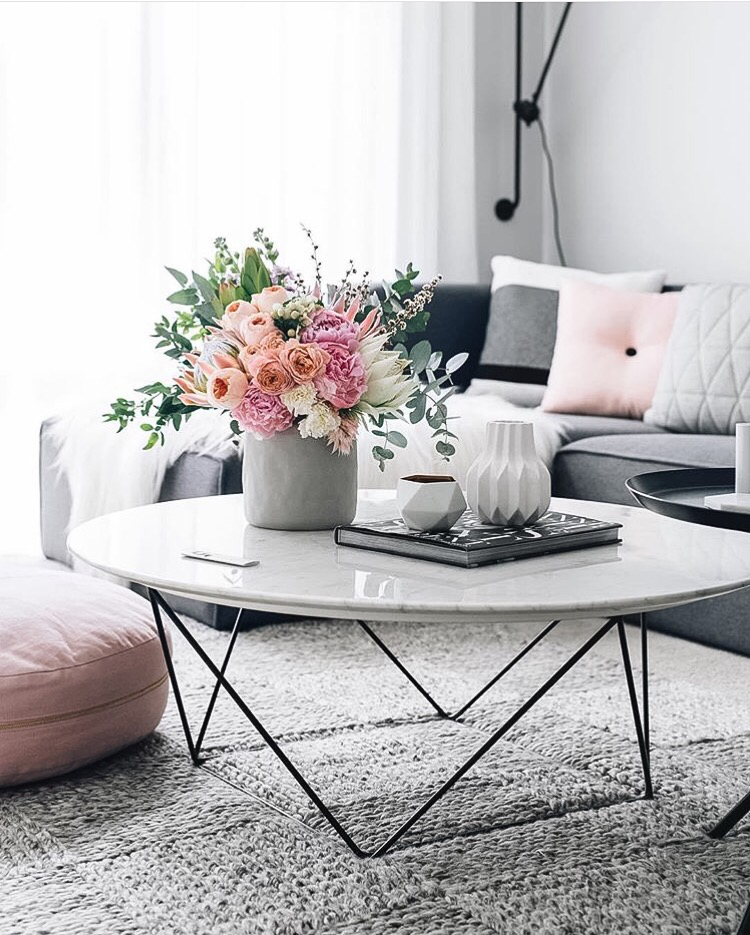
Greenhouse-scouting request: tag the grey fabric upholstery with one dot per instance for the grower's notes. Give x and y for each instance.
(721, 621)
(578, 427)
(521, 334)
(596, 468)
(457, 324)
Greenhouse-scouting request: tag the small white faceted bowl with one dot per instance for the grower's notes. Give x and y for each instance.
(429, 502)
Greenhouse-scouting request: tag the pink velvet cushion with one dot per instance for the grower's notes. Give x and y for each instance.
(608, 351)
(81, 672)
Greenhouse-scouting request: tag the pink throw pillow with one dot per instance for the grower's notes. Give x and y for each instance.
(609, 350)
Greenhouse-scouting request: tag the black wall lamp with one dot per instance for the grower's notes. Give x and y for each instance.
(527, 111)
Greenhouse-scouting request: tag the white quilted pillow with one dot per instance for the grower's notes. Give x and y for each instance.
(704, 384)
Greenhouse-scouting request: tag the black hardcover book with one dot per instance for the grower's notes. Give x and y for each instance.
(470, 543)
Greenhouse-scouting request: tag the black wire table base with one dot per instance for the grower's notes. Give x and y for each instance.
(641, 721)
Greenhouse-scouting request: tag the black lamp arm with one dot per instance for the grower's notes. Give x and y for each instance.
(526, 110)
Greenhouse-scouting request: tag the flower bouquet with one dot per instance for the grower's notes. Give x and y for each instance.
(308, 362)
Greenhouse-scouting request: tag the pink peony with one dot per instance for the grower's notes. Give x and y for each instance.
(226, 388)
(262, 414)
(270, 296)
(328, 327)
(344, 380)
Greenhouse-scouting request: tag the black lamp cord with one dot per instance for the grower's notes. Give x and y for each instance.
(527, 111)
(552, 193)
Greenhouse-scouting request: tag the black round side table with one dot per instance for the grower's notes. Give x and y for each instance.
(680, 494)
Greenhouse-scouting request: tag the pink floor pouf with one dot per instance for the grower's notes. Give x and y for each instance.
(82, 673)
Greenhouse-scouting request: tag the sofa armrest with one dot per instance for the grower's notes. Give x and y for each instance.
(192, 475)
(54, 497)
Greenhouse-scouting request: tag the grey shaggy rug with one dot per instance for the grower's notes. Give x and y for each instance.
(546, 834)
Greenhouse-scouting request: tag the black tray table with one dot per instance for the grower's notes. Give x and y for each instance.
(679, 494)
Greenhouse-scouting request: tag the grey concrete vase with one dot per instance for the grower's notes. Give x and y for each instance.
(290, 482)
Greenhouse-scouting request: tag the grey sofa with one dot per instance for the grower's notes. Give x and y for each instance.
(598, 456)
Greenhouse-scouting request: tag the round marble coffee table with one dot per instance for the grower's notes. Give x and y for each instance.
(660, 563)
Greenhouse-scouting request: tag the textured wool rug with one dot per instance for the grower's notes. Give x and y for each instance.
(546, 834)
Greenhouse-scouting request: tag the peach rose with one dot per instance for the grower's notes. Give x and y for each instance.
(303, 361)
(226, 388)
(255, 327)
(270, 296)
(271, 341)
(235, 313)
(247, 354)
(268, 373)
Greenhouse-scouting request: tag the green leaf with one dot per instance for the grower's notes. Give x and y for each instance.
(234, 425)
(434, 419)
(209, 294)
(397, 439)
(457, 361)
(382, 454)
(445, 449)
(418, 410)
(434, 361)
(184, 297)
(180, 277)
(146, 427)
(419, 355)
(152, 440)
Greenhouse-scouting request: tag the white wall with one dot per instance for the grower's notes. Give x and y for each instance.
(649, 117)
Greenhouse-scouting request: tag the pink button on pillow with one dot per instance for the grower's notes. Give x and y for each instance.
(609, 350)
(82, 673)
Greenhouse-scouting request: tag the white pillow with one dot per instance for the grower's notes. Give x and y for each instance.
(510, 271)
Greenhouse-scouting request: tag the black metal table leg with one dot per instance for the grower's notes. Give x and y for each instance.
(158, 603)
(732, 817)
(380, 643)
(744, 928)
(644, 684)
(639, 728)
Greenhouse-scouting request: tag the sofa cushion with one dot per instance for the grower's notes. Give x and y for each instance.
(609, 350)
(520, 335)
(704, 385)
(520, 394)
(509, 270)
(596, 468)
(82, 673)
(575, 427)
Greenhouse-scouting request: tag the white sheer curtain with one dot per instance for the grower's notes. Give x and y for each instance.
(132, 134)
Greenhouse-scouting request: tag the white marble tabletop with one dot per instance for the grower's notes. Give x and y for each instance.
(660, 563)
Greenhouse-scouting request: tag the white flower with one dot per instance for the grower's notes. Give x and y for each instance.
(301, 399)
(388, 387)
(321, 421)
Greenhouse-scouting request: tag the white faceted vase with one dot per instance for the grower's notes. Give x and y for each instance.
(430, 502)
(508, 484)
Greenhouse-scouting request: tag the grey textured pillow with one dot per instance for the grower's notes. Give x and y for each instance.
(704, 384)
(521, 332)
